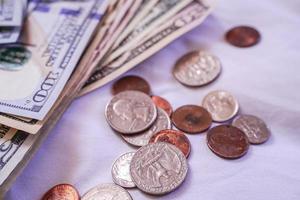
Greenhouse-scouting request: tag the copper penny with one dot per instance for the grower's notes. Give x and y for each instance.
(131, 83)
(177, 138)
(191, 119)
(227, 141)
(62, 191)
(243, 36)
(163, 104)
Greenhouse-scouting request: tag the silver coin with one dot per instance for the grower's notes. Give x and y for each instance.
(197, 68)
(121, 171)
(107, 192)
(221, 105)
(158, 168)
(131, 112)
(141, 139)
(255, 128)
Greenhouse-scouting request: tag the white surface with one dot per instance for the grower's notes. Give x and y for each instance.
(265, 79)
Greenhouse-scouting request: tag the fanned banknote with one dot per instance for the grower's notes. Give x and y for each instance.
(55, 35)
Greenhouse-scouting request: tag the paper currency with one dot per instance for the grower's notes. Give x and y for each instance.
(185, 20)
(64, 29)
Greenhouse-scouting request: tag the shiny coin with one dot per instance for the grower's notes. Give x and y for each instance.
(121, 171)
(221, 105)
(243, 36)
(163, 104)
(197, 68)
(131, 83)
(62, 191)
(255, 128)
(141, 139)
(174, 137)
(191, 119)
(131, 112)
(227, 141)
(107, 192)
(158, 168)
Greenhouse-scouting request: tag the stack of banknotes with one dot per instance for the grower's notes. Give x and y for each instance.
(53, 51)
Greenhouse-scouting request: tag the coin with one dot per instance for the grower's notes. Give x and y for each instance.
(121, 171)
(131, 112)
(131, 83)
(177, 138)
(107, 192)
(255, 128)
(227, 141)
(197, 68)
(62, 191)
(191, 119)
(158, 168)
(221, 105)
(243, 36)
(141, 139)
(163, 104)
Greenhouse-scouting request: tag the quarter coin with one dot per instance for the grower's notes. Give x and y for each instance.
(107, 191)
(163, 104)
(158, 168)
(243, 36)
(130, 112)
(191, 119)
(255, 128)
(177, 138)
(141, 139)
(227, 141)
(121, 171)
(131, 83)
(197, 68)
(62, 191)
(221, 104)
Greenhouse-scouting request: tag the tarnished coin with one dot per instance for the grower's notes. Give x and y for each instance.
(131, 83)
(121, 171)
(221, 105)
(131, 112)
(158, 168)
(141, 139)
(191, 119)
(243, 36)
(177, 138)
(197, 68)
(62, 191)
(227, 141)
(255, 128)
(107, 192)
(163, 104)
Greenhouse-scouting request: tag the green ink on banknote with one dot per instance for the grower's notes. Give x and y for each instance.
(13, 58)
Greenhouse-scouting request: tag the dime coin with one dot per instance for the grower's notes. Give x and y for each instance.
(163, 104)
(255, 128)
(221, 105)
(121, 171)
(158, 168)
(197, 68)
(62, 191)
(130, 112)
(141, 139)
(107, 192)
(243, 36)
(227, 141)
(131, 83)
(191, 119)
(177, 138)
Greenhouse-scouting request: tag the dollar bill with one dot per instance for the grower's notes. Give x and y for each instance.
(161, 12)
(38, 70)
(185, 20)
(11, 12)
